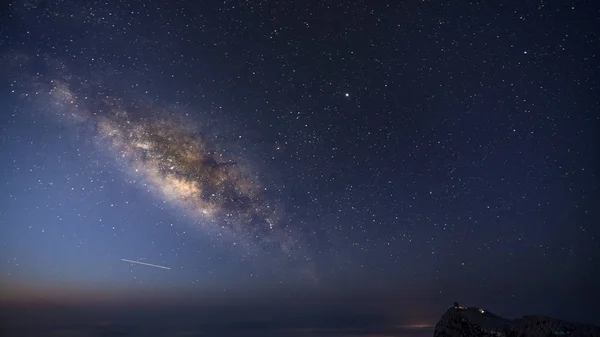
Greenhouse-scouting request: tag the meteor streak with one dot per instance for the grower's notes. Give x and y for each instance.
(145, 264)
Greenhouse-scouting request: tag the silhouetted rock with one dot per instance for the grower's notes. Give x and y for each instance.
(476, 322)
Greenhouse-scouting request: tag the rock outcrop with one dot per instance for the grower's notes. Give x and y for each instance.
(476, 322)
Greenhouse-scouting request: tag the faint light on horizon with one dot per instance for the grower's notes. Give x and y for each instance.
(415, 326)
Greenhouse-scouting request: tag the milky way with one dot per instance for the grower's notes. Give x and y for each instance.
(179, 164)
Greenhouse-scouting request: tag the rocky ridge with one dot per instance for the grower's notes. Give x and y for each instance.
(468, 321)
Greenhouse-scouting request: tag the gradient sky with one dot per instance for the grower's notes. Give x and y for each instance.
(381, 156)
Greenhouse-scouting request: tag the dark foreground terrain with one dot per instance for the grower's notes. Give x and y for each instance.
(70, 321)
(466, 322)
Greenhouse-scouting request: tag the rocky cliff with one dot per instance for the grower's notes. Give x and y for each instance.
(467, 322)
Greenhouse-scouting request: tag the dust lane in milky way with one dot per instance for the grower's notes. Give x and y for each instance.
(180, 165)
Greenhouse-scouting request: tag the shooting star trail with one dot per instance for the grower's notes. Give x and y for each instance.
(145, 264)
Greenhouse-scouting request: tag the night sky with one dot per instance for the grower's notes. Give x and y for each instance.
(368, 160)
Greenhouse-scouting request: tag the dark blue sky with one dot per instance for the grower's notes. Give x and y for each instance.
(412, 154)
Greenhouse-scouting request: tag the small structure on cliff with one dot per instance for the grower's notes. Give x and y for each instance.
(457, 306)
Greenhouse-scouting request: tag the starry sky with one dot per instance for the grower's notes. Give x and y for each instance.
(373, 157)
